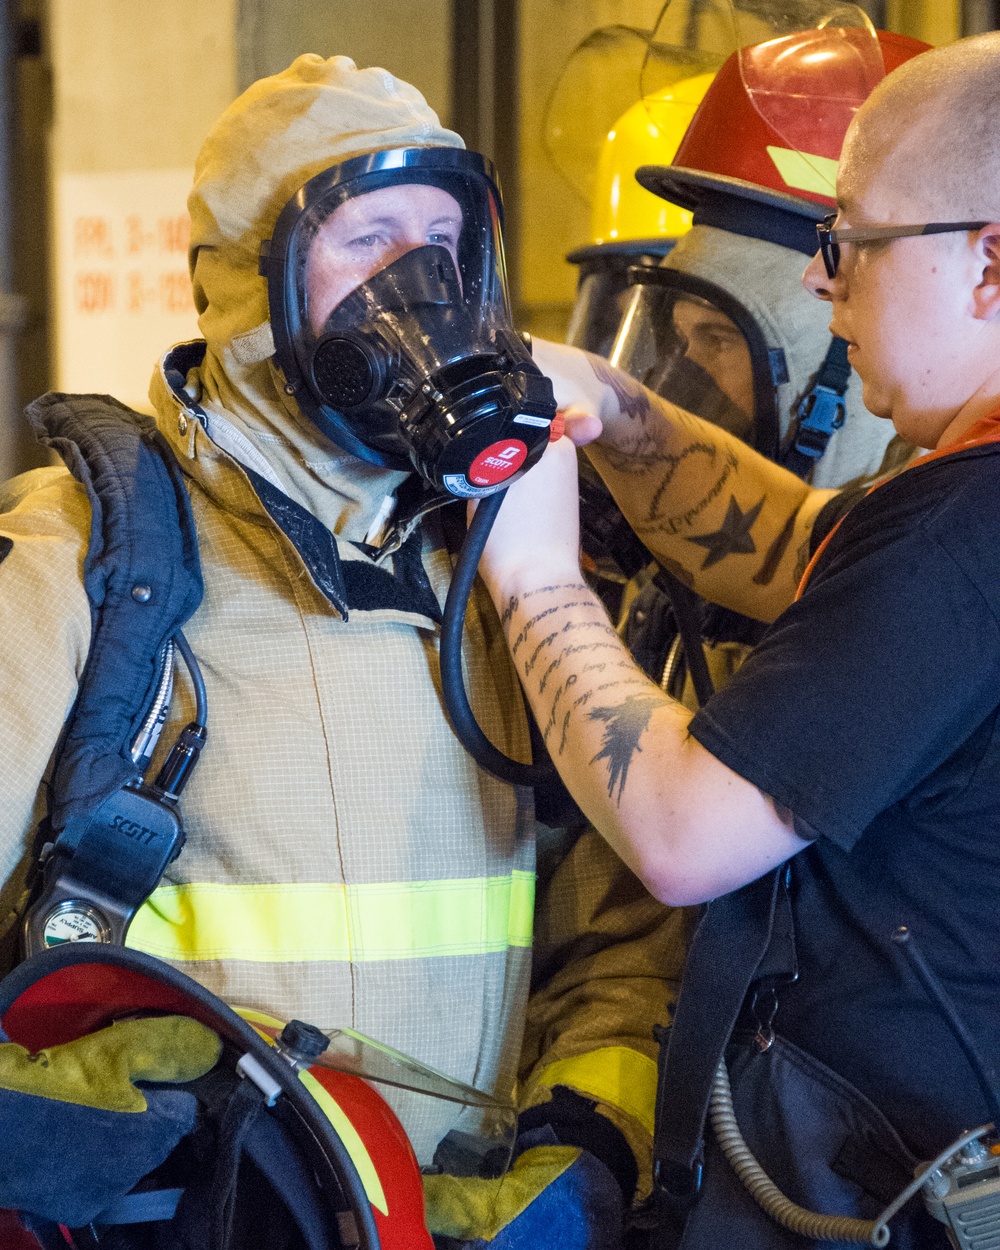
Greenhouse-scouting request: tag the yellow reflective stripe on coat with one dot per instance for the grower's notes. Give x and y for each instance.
(300, 923)
(618, 1075)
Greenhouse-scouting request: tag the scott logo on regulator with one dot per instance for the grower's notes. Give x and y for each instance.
(132, 829)
(497, 462)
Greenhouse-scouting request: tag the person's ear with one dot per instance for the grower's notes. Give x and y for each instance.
(986, 296)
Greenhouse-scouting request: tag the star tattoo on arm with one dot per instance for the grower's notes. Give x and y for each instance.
(733, 537)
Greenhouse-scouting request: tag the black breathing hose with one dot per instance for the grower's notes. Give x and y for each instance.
(197, 680)
(456, 701)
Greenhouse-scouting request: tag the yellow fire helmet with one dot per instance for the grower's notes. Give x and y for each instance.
(630, 225)
(621, 209)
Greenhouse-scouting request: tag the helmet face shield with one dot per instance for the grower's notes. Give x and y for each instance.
(792, 77)
(695, 345)
(600, 295)
(450, 1125)
(604, 290)
(391, 319)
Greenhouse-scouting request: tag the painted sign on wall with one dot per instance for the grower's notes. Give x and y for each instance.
(123, 294)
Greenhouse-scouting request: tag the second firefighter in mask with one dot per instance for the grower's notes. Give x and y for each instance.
(723, 328)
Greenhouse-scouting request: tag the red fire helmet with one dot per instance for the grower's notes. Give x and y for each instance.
(770, 128)
(348, 1141)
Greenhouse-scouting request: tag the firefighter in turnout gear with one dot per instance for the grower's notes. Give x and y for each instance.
(346, 862)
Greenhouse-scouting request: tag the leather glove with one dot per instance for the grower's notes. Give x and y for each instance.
(78, 1133)
(554, 1196)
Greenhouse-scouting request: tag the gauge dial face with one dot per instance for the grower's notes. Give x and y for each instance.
(75, 922)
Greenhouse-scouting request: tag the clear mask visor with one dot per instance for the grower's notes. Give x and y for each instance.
(686, 349)
(394, 287)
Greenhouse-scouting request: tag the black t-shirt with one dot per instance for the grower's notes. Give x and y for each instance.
(870, 709)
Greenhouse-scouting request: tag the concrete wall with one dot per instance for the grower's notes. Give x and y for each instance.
(136, 86)
(411, 38)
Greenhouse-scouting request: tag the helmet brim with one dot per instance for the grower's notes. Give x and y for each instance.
(691, 188)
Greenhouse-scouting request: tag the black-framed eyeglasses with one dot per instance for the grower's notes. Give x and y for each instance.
(830, 239)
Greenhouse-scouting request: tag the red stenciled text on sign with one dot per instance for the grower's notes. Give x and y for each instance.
(94, 291)
(92, 236)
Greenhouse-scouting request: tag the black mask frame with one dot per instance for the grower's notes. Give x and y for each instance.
(281, 258)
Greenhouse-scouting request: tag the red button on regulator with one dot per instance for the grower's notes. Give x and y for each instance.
(497, 462)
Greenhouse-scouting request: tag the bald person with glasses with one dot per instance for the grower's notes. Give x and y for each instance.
(847, 782)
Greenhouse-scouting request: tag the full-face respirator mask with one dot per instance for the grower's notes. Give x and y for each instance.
(393, 334)
(392, 325)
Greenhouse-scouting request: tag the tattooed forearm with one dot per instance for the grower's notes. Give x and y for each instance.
(602, 626)
(632, 397)
(514, 602)
(543, 681)
(516, 645)
(568, 684)
(732, 537)
(546, 642)
(587, 668)
(676, 522)
(576, 672)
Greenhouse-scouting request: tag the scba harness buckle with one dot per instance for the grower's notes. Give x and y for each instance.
(821, 413)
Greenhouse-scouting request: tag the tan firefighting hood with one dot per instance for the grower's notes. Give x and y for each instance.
(281, 132)
(767, 280)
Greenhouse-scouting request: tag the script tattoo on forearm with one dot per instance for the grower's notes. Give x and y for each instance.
(591, 643)
(660, 522)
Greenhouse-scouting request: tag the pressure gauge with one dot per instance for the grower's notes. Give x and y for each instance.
(74, 921)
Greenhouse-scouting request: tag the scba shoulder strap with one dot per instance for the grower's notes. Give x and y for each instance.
(108, 836)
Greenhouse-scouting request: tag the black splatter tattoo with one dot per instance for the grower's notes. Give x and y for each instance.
(624, 725)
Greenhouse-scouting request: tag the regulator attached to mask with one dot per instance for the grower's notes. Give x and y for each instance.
(391, 319)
